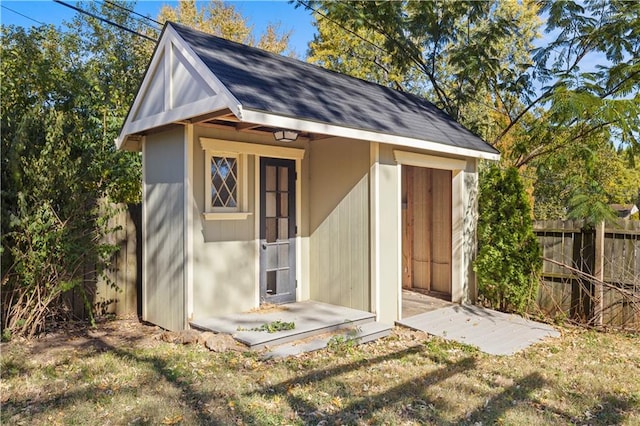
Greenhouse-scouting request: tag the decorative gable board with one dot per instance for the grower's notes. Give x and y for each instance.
(177, 86)
(186, 85)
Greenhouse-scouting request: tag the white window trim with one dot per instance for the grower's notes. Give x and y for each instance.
(227, 213)
(242, 150)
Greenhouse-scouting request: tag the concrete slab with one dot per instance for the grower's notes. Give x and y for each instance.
(309, 317)
(492, 332)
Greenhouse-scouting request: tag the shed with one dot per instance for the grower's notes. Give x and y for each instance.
(270, 180)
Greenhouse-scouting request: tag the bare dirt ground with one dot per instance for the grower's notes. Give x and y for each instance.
(108, 333)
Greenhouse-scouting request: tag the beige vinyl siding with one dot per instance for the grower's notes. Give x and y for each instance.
(339, 222)
(224, 251)
(163, 251)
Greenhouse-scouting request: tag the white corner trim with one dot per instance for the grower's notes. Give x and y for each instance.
(430, 161)
(256, 229)
(399, 238)
(145, 291)
(374, 242)
(252, 149)
(188, 217)
(226, 216)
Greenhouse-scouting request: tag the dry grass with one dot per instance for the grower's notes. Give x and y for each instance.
(121, 374)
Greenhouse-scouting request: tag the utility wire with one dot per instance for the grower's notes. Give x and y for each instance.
(21, 14)
(308, 6)
(112, 4)
(122, 27)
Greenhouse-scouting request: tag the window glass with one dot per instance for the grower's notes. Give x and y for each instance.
(224, 182)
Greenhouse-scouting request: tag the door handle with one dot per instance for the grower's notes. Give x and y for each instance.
(264, 247)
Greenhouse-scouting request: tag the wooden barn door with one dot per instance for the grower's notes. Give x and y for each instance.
(426, 227)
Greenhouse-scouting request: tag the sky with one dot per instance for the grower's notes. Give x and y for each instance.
(258, 13)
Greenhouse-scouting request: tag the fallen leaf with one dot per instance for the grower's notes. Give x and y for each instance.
(172, 420)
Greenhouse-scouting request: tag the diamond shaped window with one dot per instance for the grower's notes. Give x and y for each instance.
(224, 182)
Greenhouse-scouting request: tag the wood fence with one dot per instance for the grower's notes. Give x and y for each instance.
(600, 283)
(118, 290)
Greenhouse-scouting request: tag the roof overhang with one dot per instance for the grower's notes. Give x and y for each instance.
(178, 88)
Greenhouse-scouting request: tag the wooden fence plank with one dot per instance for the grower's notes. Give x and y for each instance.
(117, 290)
(562, 294)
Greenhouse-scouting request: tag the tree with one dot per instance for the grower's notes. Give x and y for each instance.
(583, 182)
(64, 94)
(475, 54)
(509, 256)
(223, 20)
(348, 53)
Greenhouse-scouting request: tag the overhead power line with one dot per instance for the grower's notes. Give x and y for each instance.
(112, 4)
(22, 14)
(100, 18)
(324, 16)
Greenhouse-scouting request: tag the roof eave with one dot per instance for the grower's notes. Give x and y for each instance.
(279, 121)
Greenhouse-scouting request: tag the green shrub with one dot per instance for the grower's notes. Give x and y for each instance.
(509, 257)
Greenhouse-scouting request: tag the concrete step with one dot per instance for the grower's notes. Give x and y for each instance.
(311, 318)
(359, 334)
(259, 339)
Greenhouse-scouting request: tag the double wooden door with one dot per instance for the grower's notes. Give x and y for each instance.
(426, 224)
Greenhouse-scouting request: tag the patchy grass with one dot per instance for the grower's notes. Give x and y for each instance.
(111, 376)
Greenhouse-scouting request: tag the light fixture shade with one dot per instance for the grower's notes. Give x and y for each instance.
(283, 135)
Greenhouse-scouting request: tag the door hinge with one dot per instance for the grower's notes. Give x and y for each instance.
(295, 175)
(296, 230)
(296, 283)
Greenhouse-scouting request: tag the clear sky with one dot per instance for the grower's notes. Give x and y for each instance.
(258, 13)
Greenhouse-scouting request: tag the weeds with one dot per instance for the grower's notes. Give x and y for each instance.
(272, 327)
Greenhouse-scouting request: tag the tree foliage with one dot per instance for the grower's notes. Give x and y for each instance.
(488, 66)
(223, 20)
(509, 256)
(64, 94)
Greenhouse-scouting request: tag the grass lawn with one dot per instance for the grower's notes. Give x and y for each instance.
(121, 373)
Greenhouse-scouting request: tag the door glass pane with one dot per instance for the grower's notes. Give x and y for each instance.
(283, 255)
(283, 229)
(284, 204)
(272, 256)
(270, 230)
(271, 178)
(283, 184)
(271, 282)
(283, 278)
(270, 204)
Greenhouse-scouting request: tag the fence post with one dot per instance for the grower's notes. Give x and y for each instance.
(598, 306)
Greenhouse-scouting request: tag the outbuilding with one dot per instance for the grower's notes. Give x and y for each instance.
(270, 180)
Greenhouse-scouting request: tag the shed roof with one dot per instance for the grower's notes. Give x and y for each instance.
(268, 83)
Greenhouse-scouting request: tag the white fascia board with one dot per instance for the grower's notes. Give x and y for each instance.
(273, 120)
(223, 99)
(429, 161)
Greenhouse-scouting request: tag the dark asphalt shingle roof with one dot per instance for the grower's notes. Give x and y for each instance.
(276, 84)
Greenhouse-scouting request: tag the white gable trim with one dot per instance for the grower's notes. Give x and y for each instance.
(273, 120)
(172, 47)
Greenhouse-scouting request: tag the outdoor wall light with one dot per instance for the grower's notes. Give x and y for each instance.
(282, 135)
